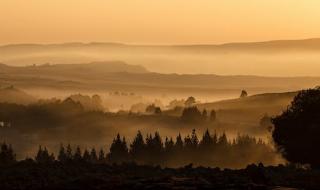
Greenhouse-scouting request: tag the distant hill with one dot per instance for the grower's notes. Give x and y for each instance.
(275, 46)
(13, 95)
(92, 69)
(118, 76)
(272, 58)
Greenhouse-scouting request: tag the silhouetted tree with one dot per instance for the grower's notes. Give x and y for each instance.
(6, 154)
(93, 156)
(43, 156)
(102, 157)
(62, 156)
(223, 141)
(179, 143)
(69, 153)
(297, 130)
(154, 146)
(243, 94)
(86, 156)
(169, 145)
(191, 114)
(77, 157)
(118, 150)
(207, 141)
(157, 110)
(190, 101)
(137, 148)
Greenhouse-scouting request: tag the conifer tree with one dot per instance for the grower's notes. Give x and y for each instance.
(62, 157)
(137, 148)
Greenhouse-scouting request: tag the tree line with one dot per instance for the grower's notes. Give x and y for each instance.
(210, 150)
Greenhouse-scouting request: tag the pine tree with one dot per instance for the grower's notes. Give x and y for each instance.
(62, 157)
(6, 154)
(77, 157)
(43, 156)
(101, 157)
(169, 145)
(69, 153)
(137, 148)
(118, 151)
(194, 139)
(93, 156)
(207, 140)
(179, 143)
(86, 156)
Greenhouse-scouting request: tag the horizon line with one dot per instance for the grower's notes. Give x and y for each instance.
(154, 44)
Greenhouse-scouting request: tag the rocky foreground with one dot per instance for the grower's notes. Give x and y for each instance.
(30, 175)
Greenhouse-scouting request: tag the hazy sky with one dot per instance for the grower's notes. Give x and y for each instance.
(157, 21)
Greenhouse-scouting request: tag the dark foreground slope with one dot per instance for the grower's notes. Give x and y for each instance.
(29, 175)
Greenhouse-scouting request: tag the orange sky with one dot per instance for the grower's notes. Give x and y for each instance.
(157, 21)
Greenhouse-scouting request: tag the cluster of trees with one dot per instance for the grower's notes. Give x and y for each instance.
(93, 103)
(67, 155)
(193, 114)
(210, 150)
(153, 109)
(46, 113)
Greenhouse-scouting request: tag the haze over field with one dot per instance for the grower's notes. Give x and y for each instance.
(159, 94)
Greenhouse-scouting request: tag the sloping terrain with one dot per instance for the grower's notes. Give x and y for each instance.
(13, 95)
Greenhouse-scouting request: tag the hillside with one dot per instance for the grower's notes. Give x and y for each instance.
(244, 112)
(277, 101)
(13, 95)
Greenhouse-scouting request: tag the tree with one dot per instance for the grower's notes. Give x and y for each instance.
(152, 109)
(101, 157)
(93, 156)
(77, 157)
(137, 148)
(118, 150)
(43, 156)
(6, 154)
(194, 139)
(169, 145)
(243, 94)
(69, 153)
(179, 143)
(158, 111)
(222, 140)
(62, 157)
(213, 115)
(204, 115)
(190, 101)
(191, 114)
(86, 156)
(206, 141)
(297, 130)
(154, 146)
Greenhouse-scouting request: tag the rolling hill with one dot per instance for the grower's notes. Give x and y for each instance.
(271, 58)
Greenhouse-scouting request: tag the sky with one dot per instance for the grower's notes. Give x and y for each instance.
(157, 21)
